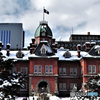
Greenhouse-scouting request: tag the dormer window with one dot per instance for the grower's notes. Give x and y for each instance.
(99, 51)
(43, 51)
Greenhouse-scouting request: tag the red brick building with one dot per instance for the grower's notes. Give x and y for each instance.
(53, 70)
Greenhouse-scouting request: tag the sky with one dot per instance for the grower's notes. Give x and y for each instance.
(64, 15)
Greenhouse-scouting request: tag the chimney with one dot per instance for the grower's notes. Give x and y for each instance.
(78, 53)
(78, 50)
(53, 41)
(92, 44)
(33, 40)
(8, 49)
(8, 52)
(31, 50)
(8, 46)
(88, 33)
(87, 46)
(78, 47)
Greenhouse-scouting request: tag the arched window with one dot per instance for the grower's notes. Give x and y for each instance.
(43, 51)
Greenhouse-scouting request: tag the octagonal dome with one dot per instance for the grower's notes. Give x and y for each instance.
(43, 27)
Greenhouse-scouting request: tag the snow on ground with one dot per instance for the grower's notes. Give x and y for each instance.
(51, 98)
(55, 98)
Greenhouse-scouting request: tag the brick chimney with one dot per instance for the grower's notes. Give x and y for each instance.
(87, 46)
(8, 49)
(78, 50)
(92, 44)
(78, 47)
(88, 33)
(31, 50)
(33, 41)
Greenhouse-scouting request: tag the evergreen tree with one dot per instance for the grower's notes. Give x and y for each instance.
(10, 83)
(93, 84)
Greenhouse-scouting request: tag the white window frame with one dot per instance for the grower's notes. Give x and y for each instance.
(60, 86)
(75, 71)
(94, 71)
(60, 71)
(64, 71)
(35, 69)
(22, 70)
(39, 70)
(90, 69)
(46, 70)
(71, 86)
(71, 71)
(64, 86)
(50, 69)
(26, 70)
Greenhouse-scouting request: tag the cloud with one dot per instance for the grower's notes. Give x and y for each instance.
(82, 15)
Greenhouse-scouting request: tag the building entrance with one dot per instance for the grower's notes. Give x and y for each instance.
(43, 86)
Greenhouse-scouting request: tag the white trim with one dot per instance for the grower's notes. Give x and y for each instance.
(90, 69)
(49, 69)
(36, 69)
(71, 71)
(41, 68)
(95, 69)
(45, 69)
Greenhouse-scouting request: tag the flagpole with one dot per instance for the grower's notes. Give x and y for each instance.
(43, 13)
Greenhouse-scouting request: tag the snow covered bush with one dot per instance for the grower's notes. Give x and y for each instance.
(10, 83)
(93, 84)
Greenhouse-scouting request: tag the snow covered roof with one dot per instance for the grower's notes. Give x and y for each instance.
(13, 54)
(73, 55)
(94, 52)
(59, 55)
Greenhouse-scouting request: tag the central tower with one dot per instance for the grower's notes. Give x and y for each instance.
(43, 33)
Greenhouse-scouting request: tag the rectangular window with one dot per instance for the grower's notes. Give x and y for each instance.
(22, 70)
(64, 71)
(94, 69)
(60, 71)
(71, 71)
(39, 69)
(71, 86)
(46, 68)
(75, 71)
(60, 86)
(50, 68)
(26, 71)
(64, 86)
(35, 68)
(90, 68)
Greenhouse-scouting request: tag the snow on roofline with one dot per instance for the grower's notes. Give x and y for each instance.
(35, 56)
(43, 41)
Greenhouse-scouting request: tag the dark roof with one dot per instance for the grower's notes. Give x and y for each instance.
(43, 27)
(49, 51)
(94, 51)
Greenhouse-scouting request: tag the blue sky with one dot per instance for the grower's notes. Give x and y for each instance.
(82, 15)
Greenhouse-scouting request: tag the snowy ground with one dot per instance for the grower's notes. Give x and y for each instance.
(54, 98)
(51, 98)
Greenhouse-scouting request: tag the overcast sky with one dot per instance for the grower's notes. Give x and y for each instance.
(82, 15)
